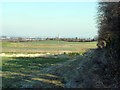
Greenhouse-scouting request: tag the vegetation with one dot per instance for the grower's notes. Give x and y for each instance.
(41, 72)
(73, 39)
(47, 47)
(109, 42)
(99, 68)
(79, 72)
(74, 53)
(21, 72)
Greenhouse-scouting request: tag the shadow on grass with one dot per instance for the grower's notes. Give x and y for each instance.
(25, 72)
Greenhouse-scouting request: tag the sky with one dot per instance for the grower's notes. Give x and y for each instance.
(48, 19)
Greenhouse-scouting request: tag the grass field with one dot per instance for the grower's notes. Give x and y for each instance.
(47, 46)
(27, 72)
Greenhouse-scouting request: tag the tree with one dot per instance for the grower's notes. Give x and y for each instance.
(19, 39)
(47, 38)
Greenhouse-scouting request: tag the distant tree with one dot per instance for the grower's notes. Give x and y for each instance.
(76, 38)
(19, 39)
(47, 38)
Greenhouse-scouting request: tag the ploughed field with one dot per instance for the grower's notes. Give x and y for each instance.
(51, 47)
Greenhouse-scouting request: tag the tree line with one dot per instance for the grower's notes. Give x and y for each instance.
(73, 39)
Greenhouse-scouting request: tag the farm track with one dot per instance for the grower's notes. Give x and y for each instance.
(35, 55)
(23, 55)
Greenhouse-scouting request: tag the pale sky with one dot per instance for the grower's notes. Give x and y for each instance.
(51, 0)
(48, 19)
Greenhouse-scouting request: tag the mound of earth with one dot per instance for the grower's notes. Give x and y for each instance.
(78, 73)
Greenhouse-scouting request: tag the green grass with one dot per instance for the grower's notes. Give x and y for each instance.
(16, 63)
(23, 72)
(47, 46)
(58, 42)
(20, 70)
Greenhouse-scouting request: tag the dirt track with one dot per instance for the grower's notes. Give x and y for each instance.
(35, 55)
(23, 55)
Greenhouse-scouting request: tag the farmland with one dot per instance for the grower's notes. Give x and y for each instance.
(36, 72)
(47, 46)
